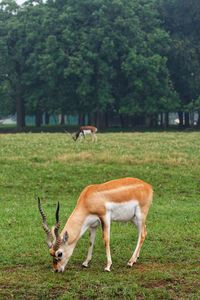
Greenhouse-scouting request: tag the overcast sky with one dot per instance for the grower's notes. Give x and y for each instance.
(20, 1)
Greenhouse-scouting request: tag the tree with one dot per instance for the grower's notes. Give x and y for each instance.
(39, 67)
(13, 55)
(115, 57)
(182, 20)
(95, 56)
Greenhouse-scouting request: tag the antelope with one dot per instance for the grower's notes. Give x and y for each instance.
(125, 199)
(83, 130)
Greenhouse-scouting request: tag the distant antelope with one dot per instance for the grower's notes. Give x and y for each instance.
(83, 130)
(126, 199)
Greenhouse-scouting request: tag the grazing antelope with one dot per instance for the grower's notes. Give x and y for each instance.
(126, 199)
(83, 130)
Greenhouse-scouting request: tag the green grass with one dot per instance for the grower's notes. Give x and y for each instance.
(55, 168)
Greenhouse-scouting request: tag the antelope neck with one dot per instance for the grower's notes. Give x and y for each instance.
(74, 225)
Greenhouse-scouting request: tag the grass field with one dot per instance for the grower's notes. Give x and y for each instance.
(55, 168)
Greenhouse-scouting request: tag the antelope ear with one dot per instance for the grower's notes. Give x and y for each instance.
(65, 237)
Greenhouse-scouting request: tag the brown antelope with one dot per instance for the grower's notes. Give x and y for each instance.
(83, 130)
(126, 199)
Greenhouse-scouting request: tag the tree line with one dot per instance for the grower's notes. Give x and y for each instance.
(134, 58)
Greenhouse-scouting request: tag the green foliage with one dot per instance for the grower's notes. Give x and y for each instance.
(77, 56)
(131, 57)
(182, 20)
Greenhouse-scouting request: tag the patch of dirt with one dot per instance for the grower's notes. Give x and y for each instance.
(159, 283)
(146, 266)
(56, 292)
(12, 269)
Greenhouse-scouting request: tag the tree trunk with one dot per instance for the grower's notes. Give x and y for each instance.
(81, 119)
(46, 118)
(106, 119)
(100, 120)
(38, 117)
(141, 119)
(121, 120)
(151, 120)
(20, 110)
(138, 120)
(133, 121)
(92, 119)
(154, 120)
(198, 121)
(62, 119)
(161, 120)
(147, 121)
(187, 120)
(192, 119)
(180, 115)
(124, 120)
(167, 119)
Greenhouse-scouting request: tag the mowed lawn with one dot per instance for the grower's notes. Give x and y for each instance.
(56, 168)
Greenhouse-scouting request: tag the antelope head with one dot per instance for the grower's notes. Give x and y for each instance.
(57, 244)
(72, 135)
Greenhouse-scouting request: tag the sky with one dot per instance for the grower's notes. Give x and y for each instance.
(20, 1)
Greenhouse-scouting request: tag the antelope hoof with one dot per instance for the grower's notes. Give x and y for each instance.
(107, 269)
(131, 263)
(85, 264)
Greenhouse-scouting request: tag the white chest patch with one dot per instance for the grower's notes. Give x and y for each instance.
(122, 211)
(90, 221)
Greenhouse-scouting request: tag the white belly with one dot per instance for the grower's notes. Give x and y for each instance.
(122, 211)
(87, 131)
